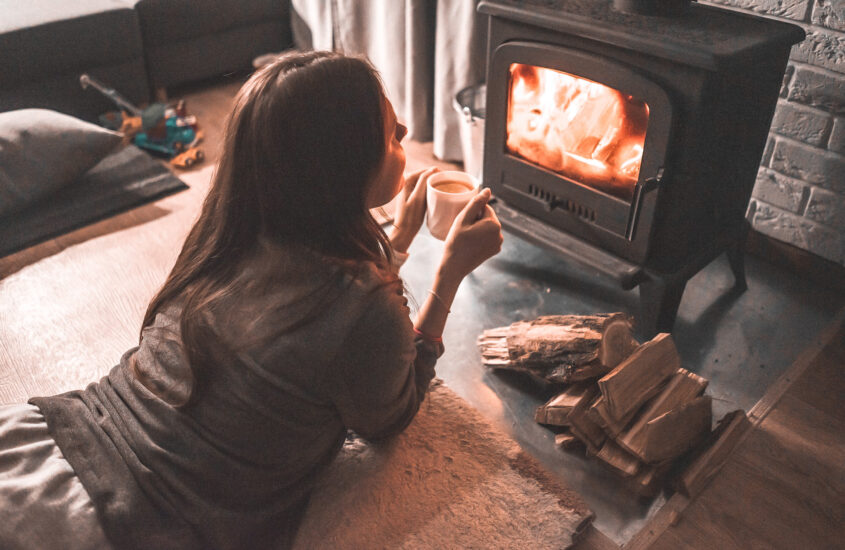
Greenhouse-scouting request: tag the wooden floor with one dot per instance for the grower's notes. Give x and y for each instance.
(783, 486)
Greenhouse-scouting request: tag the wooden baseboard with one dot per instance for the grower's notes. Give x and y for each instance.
(806, 264)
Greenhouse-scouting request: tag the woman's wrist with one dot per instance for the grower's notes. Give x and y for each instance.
(435, 310)
(400, 238)
(448, 276)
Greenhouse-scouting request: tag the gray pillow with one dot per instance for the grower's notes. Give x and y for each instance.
(43, 150)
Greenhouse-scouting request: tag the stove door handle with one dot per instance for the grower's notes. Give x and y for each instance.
(640, 191)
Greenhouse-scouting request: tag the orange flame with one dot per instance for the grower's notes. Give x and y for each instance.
(583, 130)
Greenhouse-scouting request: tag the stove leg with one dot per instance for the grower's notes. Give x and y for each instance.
(736, 258)
(660, 298)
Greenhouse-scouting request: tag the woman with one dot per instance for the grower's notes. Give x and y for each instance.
(281, 326)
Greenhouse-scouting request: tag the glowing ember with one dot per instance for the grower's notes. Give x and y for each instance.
(581, 129)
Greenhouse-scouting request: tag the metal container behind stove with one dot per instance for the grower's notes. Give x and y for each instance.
(469, 103)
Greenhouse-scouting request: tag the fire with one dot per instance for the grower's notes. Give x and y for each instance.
(583, 130)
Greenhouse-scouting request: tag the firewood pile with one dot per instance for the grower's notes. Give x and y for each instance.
(630, 405)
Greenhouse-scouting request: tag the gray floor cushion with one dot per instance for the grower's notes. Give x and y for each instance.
(122, 180)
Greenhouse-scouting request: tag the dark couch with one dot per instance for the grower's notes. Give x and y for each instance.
(135, 46)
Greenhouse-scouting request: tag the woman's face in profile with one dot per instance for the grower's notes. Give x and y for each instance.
(389, 178)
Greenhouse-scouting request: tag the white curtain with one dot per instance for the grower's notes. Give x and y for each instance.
(425, 50)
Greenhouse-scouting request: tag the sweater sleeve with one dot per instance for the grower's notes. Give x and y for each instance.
(383, 370)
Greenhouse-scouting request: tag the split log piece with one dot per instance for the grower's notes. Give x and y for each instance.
(713, 454)
(609, 424)
(556, 410)
(590, 433)
(650, 480)
(594, 416)
(560, 348)
(568, 441)
(683, 387)
(673, 433)
(639, 377)
(618, 458)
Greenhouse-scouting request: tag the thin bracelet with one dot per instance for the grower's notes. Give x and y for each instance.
(428, 337)
(441, 300)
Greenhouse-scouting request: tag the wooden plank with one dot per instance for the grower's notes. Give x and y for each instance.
(683, 387)
(802, 449)
(782, 488)
(746, 506)
(759, 411)
(710, 459)
(662, 533)
(822, 385)
(668, 514)
(638, 378)
(593, 539)
(673, 433)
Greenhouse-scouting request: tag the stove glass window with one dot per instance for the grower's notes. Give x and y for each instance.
(581, 129)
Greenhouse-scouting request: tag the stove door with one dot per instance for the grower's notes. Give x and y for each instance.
(578, 141)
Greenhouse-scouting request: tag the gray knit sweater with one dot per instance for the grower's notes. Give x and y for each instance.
(235, 468)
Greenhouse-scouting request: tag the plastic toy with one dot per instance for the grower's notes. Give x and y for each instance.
(188, 158)
(160, 129)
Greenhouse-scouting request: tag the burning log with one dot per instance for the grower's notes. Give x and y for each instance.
(560, 349)
(584, 130)
(640, 376)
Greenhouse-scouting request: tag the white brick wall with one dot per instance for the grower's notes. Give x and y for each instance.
(799, 196)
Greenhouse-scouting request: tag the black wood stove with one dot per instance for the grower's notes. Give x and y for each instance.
(630, 141)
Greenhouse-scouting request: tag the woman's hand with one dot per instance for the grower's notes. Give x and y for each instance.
(475, 236)
(410, 210)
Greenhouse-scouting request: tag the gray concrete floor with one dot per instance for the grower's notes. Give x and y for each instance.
(741, 342)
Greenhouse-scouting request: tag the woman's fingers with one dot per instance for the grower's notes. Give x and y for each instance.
(415, 175)
(422, 180)
(475, 208)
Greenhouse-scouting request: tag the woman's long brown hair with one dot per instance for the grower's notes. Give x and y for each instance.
(302, 144)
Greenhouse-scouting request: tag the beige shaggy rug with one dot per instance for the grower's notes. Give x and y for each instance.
(451, 480)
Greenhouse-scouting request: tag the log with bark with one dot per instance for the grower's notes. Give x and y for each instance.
(561, 349)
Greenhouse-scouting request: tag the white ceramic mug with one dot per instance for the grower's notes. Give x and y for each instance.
(447, 194)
